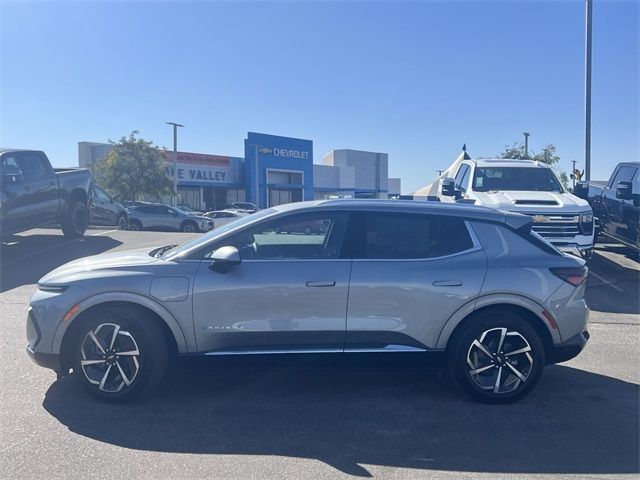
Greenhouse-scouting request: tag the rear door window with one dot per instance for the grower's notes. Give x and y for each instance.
(33, 166)
(407, 236)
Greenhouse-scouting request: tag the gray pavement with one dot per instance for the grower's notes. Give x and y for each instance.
(319, 417)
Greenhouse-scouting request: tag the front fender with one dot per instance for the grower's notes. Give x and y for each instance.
(186, 344)
(487, 301)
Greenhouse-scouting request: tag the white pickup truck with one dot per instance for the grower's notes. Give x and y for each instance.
(522, 186)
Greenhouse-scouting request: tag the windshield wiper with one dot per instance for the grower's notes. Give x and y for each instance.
(159, 251)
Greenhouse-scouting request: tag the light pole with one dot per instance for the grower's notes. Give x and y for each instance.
(175, 159)
(526, 143)
(257, 178)
(587, 90)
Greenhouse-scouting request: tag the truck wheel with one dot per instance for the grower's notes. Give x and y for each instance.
(76, 221)
(118, 354)
(496, 358)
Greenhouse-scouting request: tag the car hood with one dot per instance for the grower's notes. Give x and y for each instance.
(514, 201)
(118, 263)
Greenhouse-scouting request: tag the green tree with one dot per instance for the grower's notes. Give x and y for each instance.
(133, 169)
(547, 155)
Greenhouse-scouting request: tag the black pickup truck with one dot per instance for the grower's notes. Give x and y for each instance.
(617, 203)
(34, 194)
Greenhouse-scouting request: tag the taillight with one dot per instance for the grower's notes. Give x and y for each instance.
(574, 275)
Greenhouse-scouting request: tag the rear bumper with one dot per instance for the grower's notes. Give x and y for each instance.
(46, 360)
(569, 349)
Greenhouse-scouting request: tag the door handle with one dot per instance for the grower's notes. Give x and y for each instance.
(447, 283)
(321, 283)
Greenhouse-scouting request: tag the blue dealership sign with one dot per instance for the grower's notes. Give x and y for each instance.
(277, 158)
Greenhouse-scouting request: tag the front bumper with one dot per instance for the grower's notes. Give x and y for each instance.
(569, 349)
(47, 360)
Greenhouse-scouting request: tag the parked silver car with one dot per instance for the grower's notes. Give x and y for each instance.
(164, 217)
(385, 276)
(222, 217)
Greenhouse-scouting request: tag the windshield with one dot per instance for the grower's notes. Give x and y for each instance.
(196, 242)
(515, 178)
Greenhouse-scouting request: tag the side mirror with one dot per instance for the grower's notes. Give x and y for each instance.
(449, 187)
(623, 192)
(224, 259)
(581, 190)
(9, 178)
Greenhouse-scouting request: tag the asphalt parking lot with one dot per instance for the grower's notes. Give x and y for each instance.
(318, 418)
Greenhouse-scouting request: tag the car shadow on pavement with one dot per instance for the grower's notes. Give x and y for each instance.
(348, 416)
(26, 259)
(614, 288)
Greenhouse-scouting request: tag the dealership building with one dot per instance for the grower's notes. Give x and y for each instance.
(273, 171)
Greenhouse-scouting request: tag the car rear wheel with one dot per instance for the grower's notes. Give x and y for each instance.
(119, 355)
(76, 220)
(496, 357)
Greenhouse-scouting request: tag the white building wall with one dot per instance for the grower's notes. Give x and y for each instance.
(395, 187)
(371, 170)
(90, 153)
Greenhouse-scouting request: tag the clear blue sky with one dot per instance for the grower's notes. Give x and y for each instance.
(416, 79)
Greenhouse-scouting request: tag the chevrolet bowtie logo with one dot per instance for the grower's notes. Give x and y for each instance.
(265, 150)
(539, 218)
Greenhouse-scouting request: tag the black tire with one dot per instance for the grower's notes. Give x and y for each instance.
(76, 220)
(136, 333)
(462, 350)
(189, 227)
(135, 225)
(123, 223)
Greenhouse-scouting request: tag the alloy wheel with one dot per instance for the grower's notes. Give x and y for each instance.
(109, 357)
(499, 360)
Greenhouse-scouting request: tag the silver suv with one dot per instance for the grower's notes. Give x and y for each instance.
(164, 217)
(474, 284)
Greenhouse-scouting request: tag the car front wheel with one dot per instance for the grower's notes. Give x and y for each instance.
(496, 357)
(189, 227)
(118, 355)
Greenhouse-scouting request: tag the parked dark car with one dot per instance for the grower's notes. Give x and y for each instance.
(105, 210)
(617, 203)
(34, 194)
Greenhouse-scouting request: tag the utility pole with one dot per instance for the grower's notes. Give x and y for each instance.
(175, 160)
(526, 144)
(587, 90)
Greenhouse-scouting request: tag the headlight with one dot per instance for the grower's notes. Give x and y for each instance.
(586, 222)
(52, 288)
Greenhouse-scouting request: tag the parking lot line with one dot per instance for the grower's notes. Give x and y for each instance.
(104, 233)
(606, 282)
